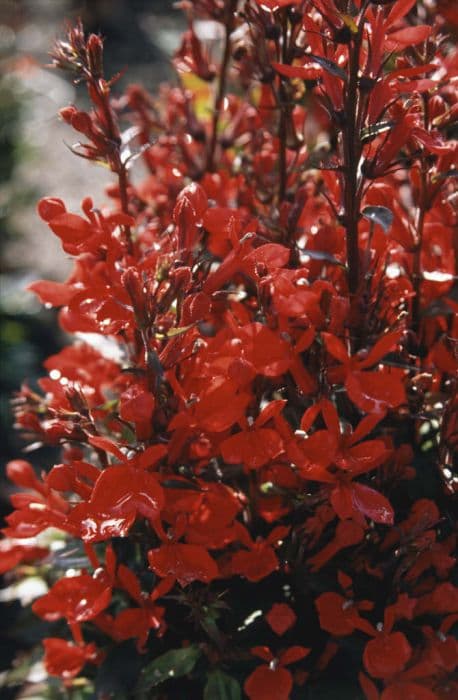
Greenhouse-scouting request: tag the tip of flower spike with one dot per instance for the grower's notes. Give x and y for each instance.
(50, 207)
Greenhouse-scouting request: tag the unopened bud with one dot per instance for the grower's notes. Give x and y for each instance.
(95, 55)
(67, 113)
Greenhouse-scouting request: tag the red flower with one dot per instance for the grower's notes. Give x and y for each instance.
(252, 448)
(65, 659)
(339, 615)
(350, 499)
(387, 654)
(266, 683)
(352, 457)
(126, 492)
(13, 554)
(185, 562)
(273, 680)
(281, 618)
(348, 533)
(372, 391)
(265, 358)
(408, 691)
(260, 560)
(77, 598)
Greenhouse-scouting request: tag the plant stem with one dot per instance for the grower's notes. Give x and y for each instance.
(282, 127)
(113, 133)
(420, 223)
(229, 26)
(122, 183)
(416, 272)
(352, 153)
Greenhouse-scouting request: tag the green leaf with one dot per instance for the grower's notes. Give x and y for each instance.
(379, 215)
(350, 23)
(220, 686)
(172, 664)
(173, 332)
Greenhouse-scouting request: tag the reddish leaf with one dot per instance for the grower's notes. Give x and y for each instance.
(252, 448)
(372, 504)
(408, 691)
(21, 473)
(382, 347)
(272, 255)
(369, 688)
(409, 36)
(335, 347)
(262, 653)
(220, 407)
(102, 443)
(398, 11)
(54, 293)
(267, 352)
(126, 491)
(274, 4)
(186, 562)
(293, 654)
(366, 456)
(71, 228)
(136, 404)
(255, 564)
(375, 392)
(342, 501)
(320, 448)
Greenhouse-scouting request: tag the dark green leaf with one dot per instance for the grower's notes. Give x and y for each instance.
(370, 132)
(445, 175)
(379, 215)
(119, 671)
(328, 689)
(319, 255)
(323, 161)
(220, 686)
(180, 485)
(438, 307)
(172, 664)
(329, 66)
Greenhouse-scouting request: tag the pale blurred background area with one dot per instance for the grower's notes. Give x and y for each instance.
(35, 161)
(140, 36)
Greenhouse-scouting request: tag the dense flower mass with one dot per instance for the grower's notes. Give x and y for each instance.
(258, 416)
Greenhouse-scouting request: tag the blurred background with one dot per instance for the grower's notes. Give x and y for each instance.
(35, 161)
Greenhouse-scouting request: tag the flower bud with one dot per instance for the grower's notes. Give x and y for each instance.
(67, 113)
(95, 55)
(49, 207)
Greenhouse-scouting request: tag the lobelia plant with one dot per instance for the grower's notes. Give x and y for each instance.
(258, 416)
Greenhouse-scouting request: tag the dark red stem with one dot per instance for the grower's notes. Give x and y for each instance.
(229, 26)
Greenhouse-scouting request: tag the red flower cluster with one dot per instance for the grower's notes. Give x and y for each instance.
(258, 417)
